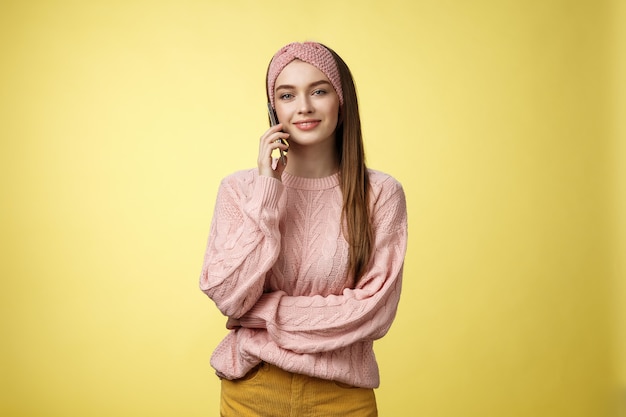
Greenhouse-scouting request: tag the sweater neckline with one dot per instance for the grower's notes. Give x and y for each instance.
(304, 183)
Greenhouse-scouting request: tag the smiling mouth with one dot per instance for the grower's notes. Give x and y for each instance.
(307, 125)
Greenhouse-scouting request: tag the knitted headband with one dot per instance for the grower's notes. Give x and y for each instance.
(310, 52)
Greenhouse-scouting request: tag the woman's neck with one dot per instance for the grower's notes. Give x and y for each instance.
(312, 161)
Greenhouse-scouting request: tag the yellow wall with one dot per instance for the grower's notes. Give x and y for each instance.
(618, 202)
(119, 118)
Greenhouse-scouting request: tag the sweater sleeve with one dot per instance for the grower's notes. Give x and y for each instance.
(243, 243)
(311, 324)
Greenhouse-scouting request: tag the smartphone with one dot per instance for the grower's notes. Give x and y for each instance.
(274, 122)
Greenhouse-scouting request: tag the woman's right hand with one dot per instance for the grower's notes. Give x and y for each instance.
(270, 141)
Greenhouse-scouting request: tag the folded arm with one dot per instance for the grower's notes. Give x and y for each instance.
(308, 324)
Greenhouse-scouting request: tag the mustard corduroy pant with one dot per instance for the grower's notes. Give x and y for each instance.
(268, 391)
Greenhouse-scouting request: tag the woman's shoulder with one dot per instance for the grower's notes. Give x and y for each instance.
(387, 200)
(386, 191)
(239, 183)
(248, 183)
(383, 182)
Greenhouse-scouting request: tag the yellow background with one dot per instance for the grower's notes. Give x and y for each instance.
(503, 120)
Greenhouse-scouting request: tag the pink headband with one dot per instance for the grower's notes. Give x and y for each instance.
(310, 52)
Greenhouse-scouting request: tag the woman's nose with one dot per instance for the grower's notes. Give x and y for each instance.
(305, 104)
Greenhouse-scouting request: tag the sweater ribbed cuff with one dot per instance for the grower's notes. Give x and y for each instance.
(263, 312)
(267, 192)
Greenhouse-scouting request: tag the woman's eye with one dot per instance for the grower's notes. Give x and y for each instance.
(286, 96)
(319, 92)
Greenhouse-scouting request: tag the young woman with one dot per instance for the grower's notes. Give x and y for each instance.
(305, 255)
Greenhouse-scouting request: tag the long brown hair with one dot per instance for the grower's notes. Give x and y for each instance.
(354, 176)
(355, 215)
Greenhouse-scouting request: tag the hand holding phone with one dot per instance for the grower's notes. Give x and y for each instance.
(274, 122)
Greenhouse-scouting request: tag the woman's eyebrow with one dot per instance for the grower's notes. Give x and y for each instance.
(313, 84)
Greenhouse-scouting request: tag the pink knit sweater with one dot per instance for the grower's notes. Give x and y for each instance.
(276, 260)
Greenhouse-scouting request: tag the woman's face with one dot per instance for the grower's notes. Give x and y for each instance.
(306, 104)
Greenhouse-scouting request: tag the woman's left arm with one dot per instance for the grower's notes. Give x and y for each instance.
(308, 324)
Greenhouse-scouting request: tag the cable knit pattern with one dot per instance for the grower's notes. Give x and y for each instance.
(277, 261)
